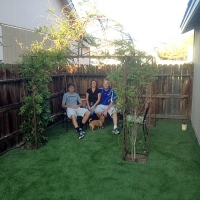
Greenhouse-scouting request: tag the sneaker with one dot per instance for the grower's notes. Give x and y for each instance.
(80, 129)
(80, 134)
(116, 131)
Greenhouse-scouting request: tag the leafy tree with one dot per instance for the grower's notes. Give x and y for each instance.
(45, 57)
(176, 50)
(131, 80)
(42, 59)
(36, 66)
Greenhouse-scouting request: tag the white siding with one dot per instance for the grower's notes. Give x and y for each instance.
(28, 14)
(18, 19)
(1, 45)
(196, 86)
(11, 49)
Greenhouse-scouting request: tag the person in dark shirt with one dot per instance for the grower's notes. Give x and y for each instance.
(93, 97)
(106, 106)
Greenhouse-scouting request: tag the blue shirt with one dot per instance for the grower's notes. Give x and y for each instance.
(107, 96)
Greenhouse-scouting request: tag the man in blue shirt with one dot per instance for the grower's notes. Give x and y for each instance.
(106, 106)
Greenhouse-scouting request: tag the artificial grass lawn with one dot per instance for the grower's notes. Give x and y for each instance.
(92, 168)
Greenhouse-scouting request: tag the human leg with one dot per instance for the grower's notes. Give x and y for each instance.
(100, 110)
(98, 113)
(85, 115)
(71, 113)
(93, 115)
(113, 114)
(74, 121)
(115, 118)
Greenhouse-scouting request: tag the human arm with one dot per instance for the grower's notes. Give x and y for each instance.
(64, 99)
(79, 102)
(65, 106)
(87, 101)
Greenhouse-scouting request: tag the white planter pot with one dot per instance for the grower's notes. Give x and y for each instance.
(184, 127)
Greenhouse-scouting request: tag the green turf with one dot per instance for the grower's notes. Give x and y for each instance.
(92, 168)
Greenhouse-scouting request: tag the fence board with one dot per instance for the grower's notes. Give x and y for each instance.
(171, 94)
(172, 90)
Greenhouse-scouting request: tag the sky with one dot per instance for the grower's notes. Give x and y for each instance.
(149, 22)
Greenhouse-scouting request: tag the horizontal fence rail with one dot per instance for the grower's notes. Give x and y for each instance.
(171, 94)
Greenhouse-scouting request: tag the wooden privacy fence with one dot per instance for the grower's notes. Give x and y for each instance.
(171, 94)
(12, 91)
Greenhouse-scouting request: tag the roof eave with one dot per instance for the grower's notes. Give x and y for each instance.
(68, 2)
(186, 24)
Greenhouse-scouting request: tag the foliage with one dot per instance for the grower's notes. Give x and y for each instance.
(36, 66)
(4, 66)
(175, 50)
(44, 57)
(135, 74)
(131, 80)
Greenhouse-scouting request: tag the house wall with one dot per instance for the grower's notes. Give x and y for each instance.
(196, 87)
(28, 14)
(18, 20)
(12, 36)
(1, 45)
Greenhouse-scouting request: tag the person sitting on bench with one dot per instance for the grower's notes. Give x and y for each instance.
(93, 97)
(70, 103)
(108, 98)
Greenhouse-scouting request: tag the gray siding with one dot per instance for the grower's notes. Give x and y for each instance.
(18, 19)
(196, 87)
(11, 37)
(28, 14)
(14, 36)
